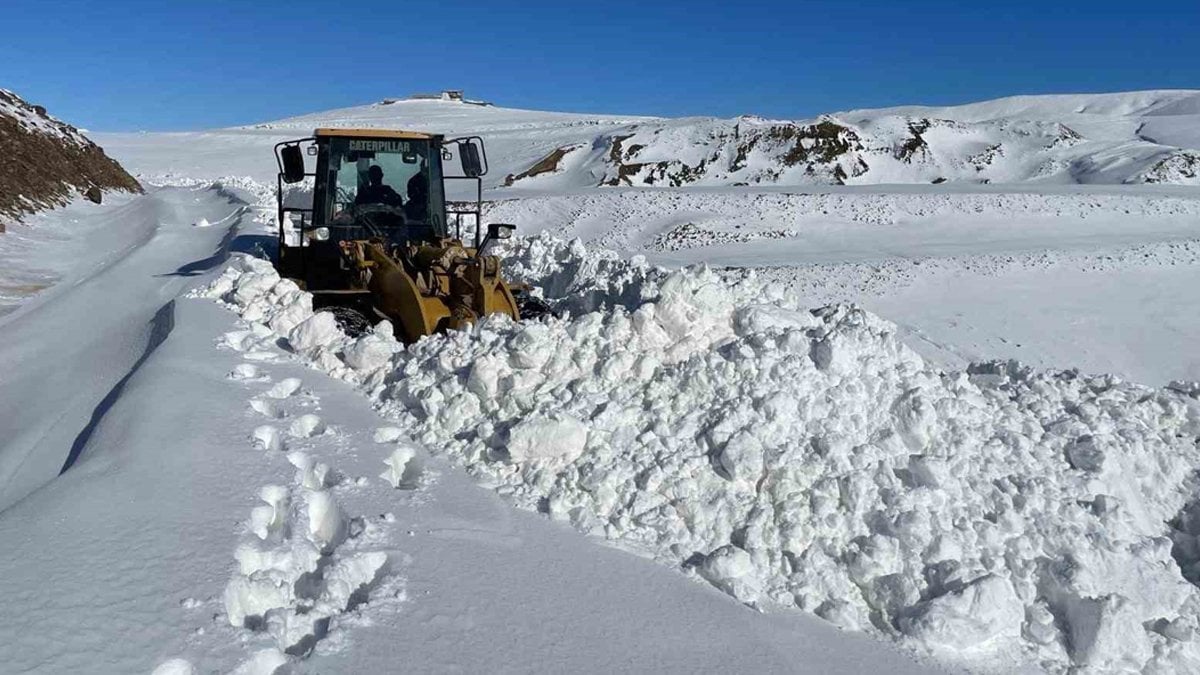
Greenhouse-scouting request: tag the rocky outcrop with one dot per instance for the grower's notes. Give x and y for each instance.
(45, 162)
(548, 164)
(853, 148)
(1181, 167)
(744, 150)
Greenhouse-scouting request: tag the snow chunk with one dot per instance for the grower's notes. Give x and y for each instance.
(269, 409)
(317, 331)
(284, 388)
(1106, 633)
(307, 426)
(269, 438)
(388, 434)
(371, 351)
(326, 521)
(979, 613)
(732, 570)
(271, 519)
(346, 576)
(265, 662)
(310, 474)
(560, 437)
(403, 469)
(244, 371)
(175, 667)
(1087, 454)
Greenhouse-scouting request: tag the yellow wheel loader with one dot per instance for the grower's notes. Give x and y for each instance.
(375, 242)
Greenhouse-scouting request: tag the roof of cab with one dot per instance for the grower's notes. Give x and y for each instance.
(374, 133)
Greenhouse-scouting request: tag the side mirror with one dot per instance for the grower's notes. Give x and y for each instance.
(500, 231)
(293, 163)
(496, 231)
(468, 155)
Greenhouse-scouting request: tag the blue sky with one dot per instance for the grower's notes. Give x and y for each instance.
(176, 65)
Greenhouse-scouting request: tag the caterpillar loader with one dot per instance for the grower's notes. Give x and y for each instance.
(375, 241)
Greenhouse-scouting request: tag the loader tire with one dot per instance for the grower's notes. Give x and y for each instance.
(352, 322)
(530, 308)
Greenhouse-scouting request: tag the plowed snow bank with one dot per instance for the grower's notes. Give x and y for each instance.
(804, 458)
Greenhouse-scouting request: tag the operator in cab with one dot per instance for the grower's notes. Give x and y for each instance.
(376, 191)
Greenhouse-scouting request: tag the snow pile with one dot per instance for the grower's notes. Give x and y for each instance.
(808, 458)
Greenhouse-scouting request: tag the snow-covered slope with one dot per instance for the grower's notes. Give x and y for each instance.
(1137, 137)
(515, 139)
(1117, 138)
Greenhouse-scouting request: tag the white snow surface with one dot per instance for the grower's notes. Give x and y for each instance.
(747, 425)
(810, 459)
(1122, 138)
(194, 533)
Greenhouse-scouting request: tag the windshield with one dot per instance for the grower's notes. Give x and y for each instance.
(389, 175)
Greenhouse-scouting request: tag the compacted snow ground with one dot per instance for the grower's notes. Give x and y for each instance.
(232, 510)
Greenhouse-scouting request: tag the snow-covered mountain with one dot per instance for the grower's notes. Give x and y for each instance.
(1125, 138)
(1141, 137)
(47, 161)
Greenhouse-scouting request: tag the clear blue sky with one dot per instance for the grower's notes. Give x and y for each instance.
(176, 64)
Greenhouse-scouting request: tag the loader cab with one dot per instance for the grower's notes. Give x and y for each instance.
(344, 185)
(388, 186)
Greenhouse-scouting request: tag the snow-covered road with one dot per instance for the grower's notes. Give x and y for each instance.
(68, 350)
(187, 427)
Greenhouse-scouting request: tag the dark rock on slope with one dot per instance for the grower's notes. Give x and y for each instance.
(45, 162)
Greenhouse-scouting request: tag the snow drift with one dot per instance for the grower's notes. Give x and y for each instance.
(805, 458)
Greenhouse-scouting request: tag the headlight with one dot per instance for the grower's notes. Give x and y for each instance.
(319, 234)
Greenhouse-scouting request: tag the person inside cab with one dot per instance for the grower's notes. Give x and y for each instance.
(376, 191)
(417, 207)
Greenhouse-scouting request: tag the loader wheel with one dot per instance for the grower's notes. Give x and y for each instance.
(530, 308)
(352, 322)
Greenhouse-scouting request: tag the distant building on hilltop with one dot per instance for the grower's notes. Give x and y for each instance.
(450, 95)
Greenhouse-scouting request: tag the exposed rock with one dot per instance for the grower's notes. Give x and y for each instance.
(1181, 168)
(47, 162)
(548, 164)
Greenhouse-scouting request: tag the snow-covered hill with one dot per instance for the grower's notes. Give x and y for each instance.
(46, 161)
(1136, 137)
(1142, 137)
